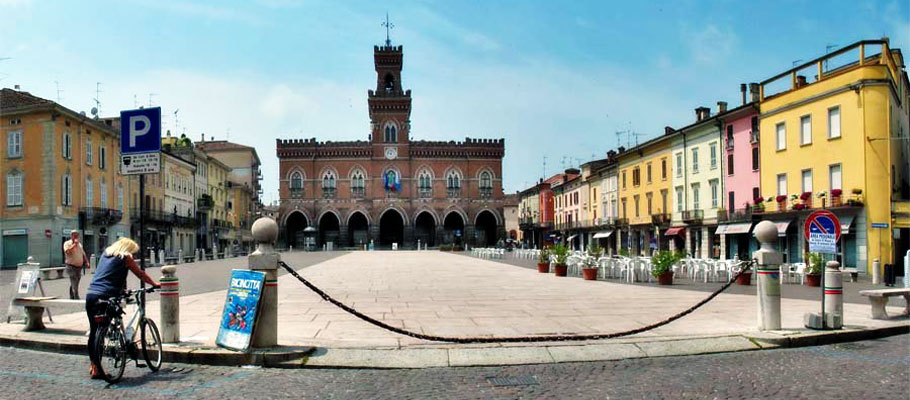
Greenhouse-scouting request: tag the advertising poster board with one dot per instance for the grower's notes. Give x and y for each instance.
(240, 309)
(26, 283)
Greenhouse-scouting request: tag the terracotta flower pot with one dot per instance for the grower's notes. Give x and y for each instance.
(590, 274)
(744, 279)
(665, 278)
(543, 268)
(561, 269)
(814, 279)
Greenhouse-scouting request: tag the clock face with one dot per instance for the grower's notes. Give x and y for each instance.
(391, 153)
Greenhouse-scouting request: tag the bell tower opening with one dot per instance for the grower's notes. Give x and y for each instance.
(389, 104)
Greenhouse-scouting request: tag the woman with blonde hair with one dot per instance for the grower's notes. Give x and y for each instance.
(110, 281)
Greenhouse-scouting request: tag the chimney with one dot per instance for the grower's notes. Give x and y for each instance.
(800, 80)
(755, 90)
(668, 130)
(721, 107)
(702, 113)
(621, 149)
(202, 137)
(16, 87)
(742, 89)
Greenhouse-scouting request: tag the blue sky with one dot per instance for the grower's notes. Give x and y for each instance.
(554, 79)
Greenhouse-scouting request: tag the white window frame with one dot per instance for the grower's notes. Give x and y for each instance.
(679, 165)
(782, 184)
(695, 197)
(695, 160)
(88, 151)
(328, 180)
(14, 185)
(714, 193)
(780, 130)
(713, 155)
(834, 129)
(14, 144)
(299, 177)
(679, 199)
(839, 182)
(486, 180)
(89, 192)
(103, 190)
(357, 180)
(803, 177)
(805, 130)
(453, 180)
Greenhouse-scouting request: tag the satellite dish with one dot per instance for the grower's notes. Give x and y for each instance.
(94, 110)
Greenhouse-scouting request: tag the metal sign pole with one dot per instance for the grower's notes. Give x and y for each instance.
(142, 253)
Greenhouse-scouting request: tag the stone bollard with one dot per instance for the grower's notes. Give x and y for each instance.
(151, 260)
(265, 259)
(93, 263)
(160, 257)
(179, 256)
(199, 255)
(876, 272)
(907, 270)
(418, 244)
(834, 295)
(170, 305)
(768, 271)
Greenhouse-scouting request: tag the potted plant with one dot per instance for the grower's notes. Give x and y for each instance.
(806, 197)
(662, 266)
(589, 270)
(543, 261)
(814, 262)
(857, 198)
(561, 252)
(836, 197)
(758, 204)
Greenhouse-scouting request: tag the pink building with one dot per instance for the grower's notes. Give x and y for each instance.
(742, 181)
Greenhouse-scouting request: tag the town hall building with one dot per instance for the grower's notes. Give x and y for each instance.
(390, 189)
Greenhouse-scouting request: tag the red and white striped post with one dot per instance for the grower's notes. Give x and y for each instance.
(834, 295)
(768, 271)
(170, 305)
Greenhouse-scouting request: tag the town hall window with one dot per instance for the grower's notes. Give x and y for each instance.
(424, 182)
(296, 181)
(453, 181)
(391, 133)
(486, 182)
(328, 180)
(357, 180)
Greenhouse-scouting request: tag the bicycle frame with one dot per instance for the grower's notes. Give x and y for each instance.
(116, 310)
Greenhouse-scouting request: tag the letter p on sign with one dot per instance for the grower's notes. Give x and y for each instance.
(140, 131)
(135, 130)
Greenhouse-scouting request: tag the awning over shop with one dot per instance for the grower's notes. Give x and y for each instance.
(600, 235)
(569, 239)
(731, 229)
(674, 231)
(845, 223)
(782, 227)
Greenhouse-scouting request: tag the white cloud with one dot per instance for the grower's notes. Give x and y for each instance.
(207, 11)
(709, 44)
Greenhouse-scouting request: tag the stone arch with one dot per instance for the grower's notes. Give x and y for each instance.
(391, 227)
(425, 223)
(363, 211)
(491, 211)
(358, 167)
(486, 228)
(294, 169)
(426, 210)
(329, 226)
(454, 222)
(294, 223)
(404, 215)
(358, 226)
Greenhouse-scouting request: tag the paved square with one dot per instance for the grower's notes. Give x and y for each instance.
(452, 295)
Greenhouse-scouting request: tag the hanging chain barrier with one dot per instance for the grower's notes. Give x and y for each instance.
(745, 267)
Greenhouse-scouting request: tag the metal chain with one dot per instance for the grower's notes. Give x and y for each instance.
(513, 339)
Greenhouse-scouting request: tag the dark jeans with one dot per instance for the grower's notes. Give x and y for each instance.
(93, 307)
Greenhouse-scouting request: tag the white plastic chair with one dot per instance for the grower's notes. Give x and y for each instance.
(801, 271)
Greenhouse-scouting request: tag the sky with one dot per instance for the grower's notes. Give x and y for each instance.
(557, 80)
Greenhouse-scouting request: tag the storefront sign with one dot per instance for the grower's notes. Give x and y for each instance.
(240, 309)
(15, 232)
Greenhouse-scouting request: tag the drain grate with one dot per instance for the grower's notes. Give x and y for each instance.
(519, 380)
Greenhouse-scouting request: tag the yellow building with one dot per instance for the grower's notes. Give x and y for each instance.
(644, 180)
(834, 134)
(58, 172)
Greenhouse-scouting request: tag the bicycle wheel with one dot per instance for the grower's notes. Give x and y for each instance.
(151, 344)
(110, 349)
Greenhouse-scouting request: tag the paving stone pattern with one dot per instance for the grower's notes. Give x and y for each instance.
(875, 369)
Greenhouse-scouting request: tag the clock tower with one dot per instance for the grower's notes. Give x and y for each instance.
(389, 105)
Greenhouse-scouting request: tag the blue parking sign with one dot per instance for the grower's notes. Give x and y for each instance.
(140, 131)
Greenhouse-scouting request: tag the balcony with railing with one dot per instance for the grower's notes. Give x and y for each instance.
(425, 192)
(296, 193)
(205, 203)
(622, 222)
(101, 216)
(453, 191)
(221, 224)
(809, 201)
(693, 216)
(358, 192)
(754, 137)
(485, 192)
(328, 193)
(660, 219)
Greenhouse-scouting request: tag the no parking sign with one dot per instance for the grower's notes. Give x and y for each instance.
(822, 230)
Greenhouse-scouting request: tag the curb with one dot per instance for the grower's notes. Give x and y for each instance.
(818, 338)
(187, 355)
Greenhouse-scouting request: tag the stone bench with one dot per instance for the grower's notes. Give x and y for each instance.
(52, 273)
(853, 272)
(879, 299)
(34, 309)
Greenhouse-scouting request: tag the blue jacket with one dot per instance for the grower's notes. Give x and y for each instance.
(110, 276)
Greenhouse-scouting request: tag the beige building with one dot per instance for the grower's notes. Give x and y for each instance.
(58, 172)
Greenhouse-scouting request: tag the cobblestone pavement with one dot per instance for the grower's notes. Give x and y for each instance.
(875, 369)
(788, 290)
(198, 277)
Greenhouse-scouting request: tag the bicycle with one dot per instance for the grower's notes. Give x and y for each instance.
(114, 341)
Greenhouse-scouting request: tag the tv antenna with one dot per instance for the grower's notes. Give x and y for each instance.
(176, 124)
(97, 108)
(545, 167)
(150, 98)
(828, 48)
(59, 98)
(630, 136)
